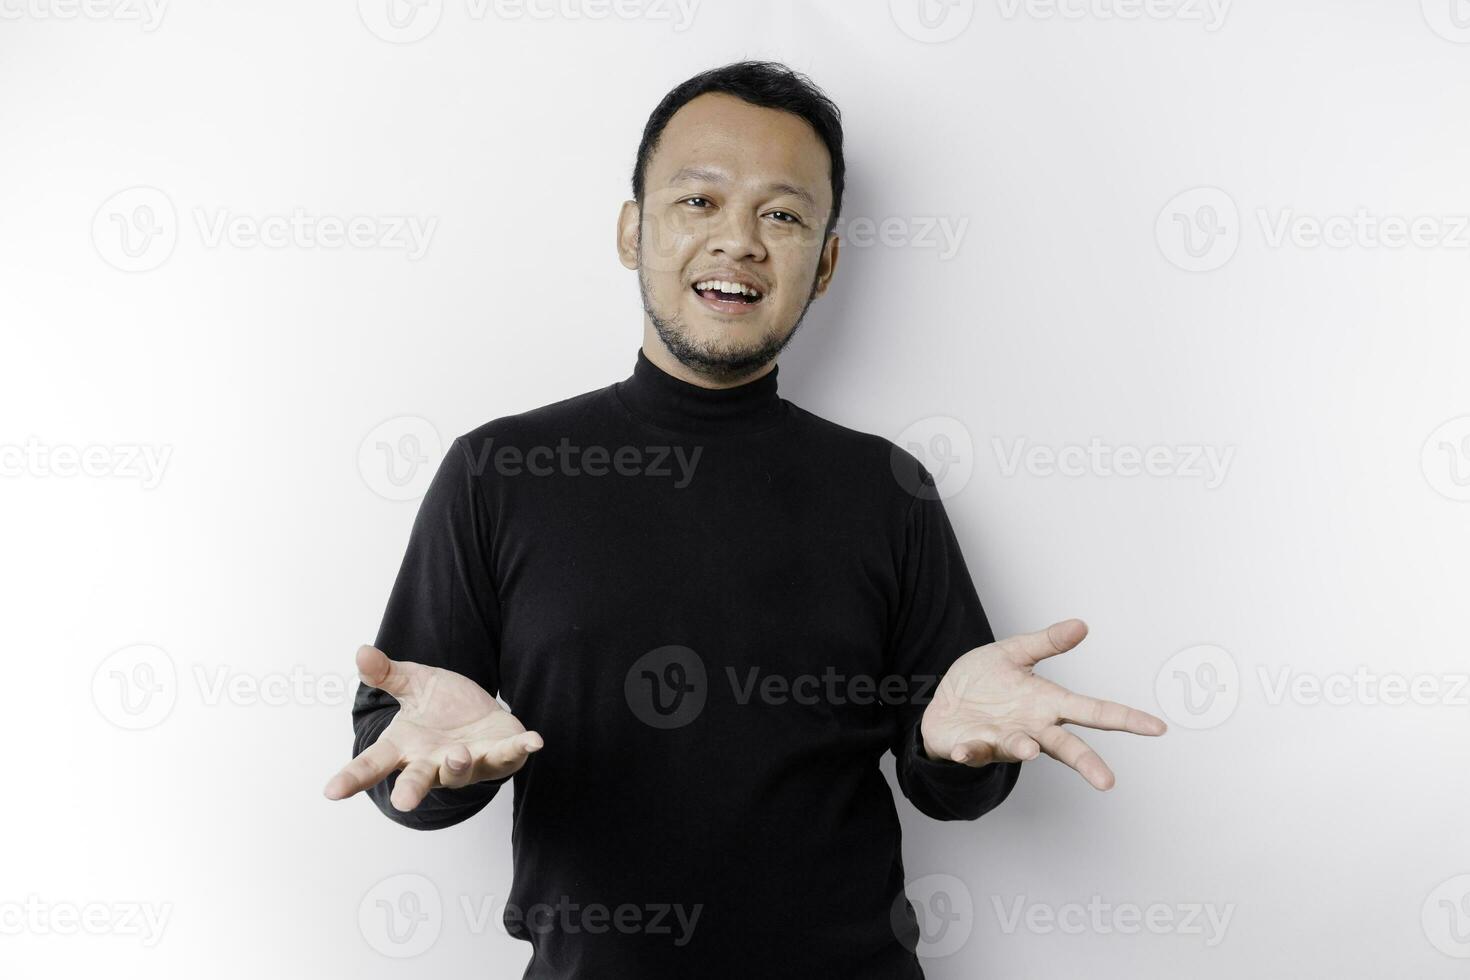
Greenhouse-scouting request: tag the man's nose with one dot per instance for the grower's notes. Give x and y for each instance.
(736, 234)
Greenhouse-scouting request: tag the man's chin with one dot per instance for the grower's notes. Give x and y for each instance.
(721, 354)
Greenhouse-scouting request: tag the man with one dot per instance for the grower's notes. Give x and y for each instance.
(709, 611)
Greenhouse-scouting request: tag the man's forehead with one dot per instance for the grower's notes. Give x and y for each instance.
(713, 137)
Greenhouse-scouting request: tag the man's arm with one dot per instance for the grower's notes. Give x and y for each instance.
(442, 612)
(939, 618)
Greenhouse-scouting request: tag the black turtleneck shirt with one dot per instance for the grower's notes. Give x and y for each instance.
(719, 610)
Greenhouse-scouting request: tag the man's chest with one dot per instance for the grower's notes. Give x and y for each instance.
(769, 579)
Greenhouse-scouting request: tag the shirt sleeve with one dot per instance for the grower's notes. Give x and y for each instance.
(442, 611)
(939, 619)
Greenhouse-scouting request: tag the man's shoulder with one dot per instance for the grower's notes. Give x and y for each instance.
(553, 421)
(888, 473)
(864, 447)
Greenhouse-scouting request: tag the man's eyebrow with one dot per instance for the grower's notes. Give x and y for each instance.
(717, 177)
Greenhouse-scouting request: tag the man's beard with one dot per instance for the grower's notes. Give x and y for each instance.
(718, 363)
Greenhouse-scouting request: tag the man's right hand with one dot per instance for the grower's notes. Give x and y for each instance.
(448, 731)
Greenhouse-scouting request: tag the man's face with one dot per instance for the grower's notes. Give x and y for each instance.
(738, 193)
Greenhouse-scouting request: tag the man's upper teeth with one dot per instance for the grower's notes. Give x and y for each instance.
(726, 287)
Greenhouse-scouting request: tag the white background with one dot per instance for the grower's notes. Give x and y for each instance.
(1332, 835)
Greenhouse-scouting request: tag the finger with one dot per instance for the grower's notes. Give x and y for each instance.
(376, 670)
(1063, 746)
(413, 784)
(464, 764)
(1015, 746)
(455, 769)
(1109, 716)
(501, 757)
(510, 753)
(1056, 638)
(369, 768)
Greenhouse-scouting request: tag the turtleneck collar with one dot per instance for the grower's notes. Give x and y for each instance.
(671, 403)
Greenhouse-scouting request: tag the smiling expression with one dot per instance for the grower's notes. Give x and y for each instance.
(736, 200)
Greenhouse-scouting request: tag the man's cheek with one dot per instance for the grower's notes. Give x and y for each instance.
(667, 246)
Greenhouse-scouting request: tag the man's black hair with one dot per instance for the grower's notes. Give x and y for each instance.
(769, 84)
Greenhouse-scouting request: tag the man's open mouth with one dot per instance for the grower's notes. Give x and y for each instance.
(727, 296)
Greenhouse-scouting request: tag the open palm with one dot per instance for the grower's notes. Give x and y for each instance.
(991, 707)
(448, 732)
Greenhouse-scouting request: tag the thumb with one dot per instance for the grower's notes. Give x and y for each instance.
(510, 753)
(375, 669)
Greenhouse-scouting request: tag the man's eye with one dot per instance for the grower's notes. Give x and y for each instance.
(794, 218)
(689, 200)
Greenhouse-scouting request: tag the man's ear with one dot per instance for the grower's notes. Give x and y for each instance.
(827, 264)
(629, 218)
